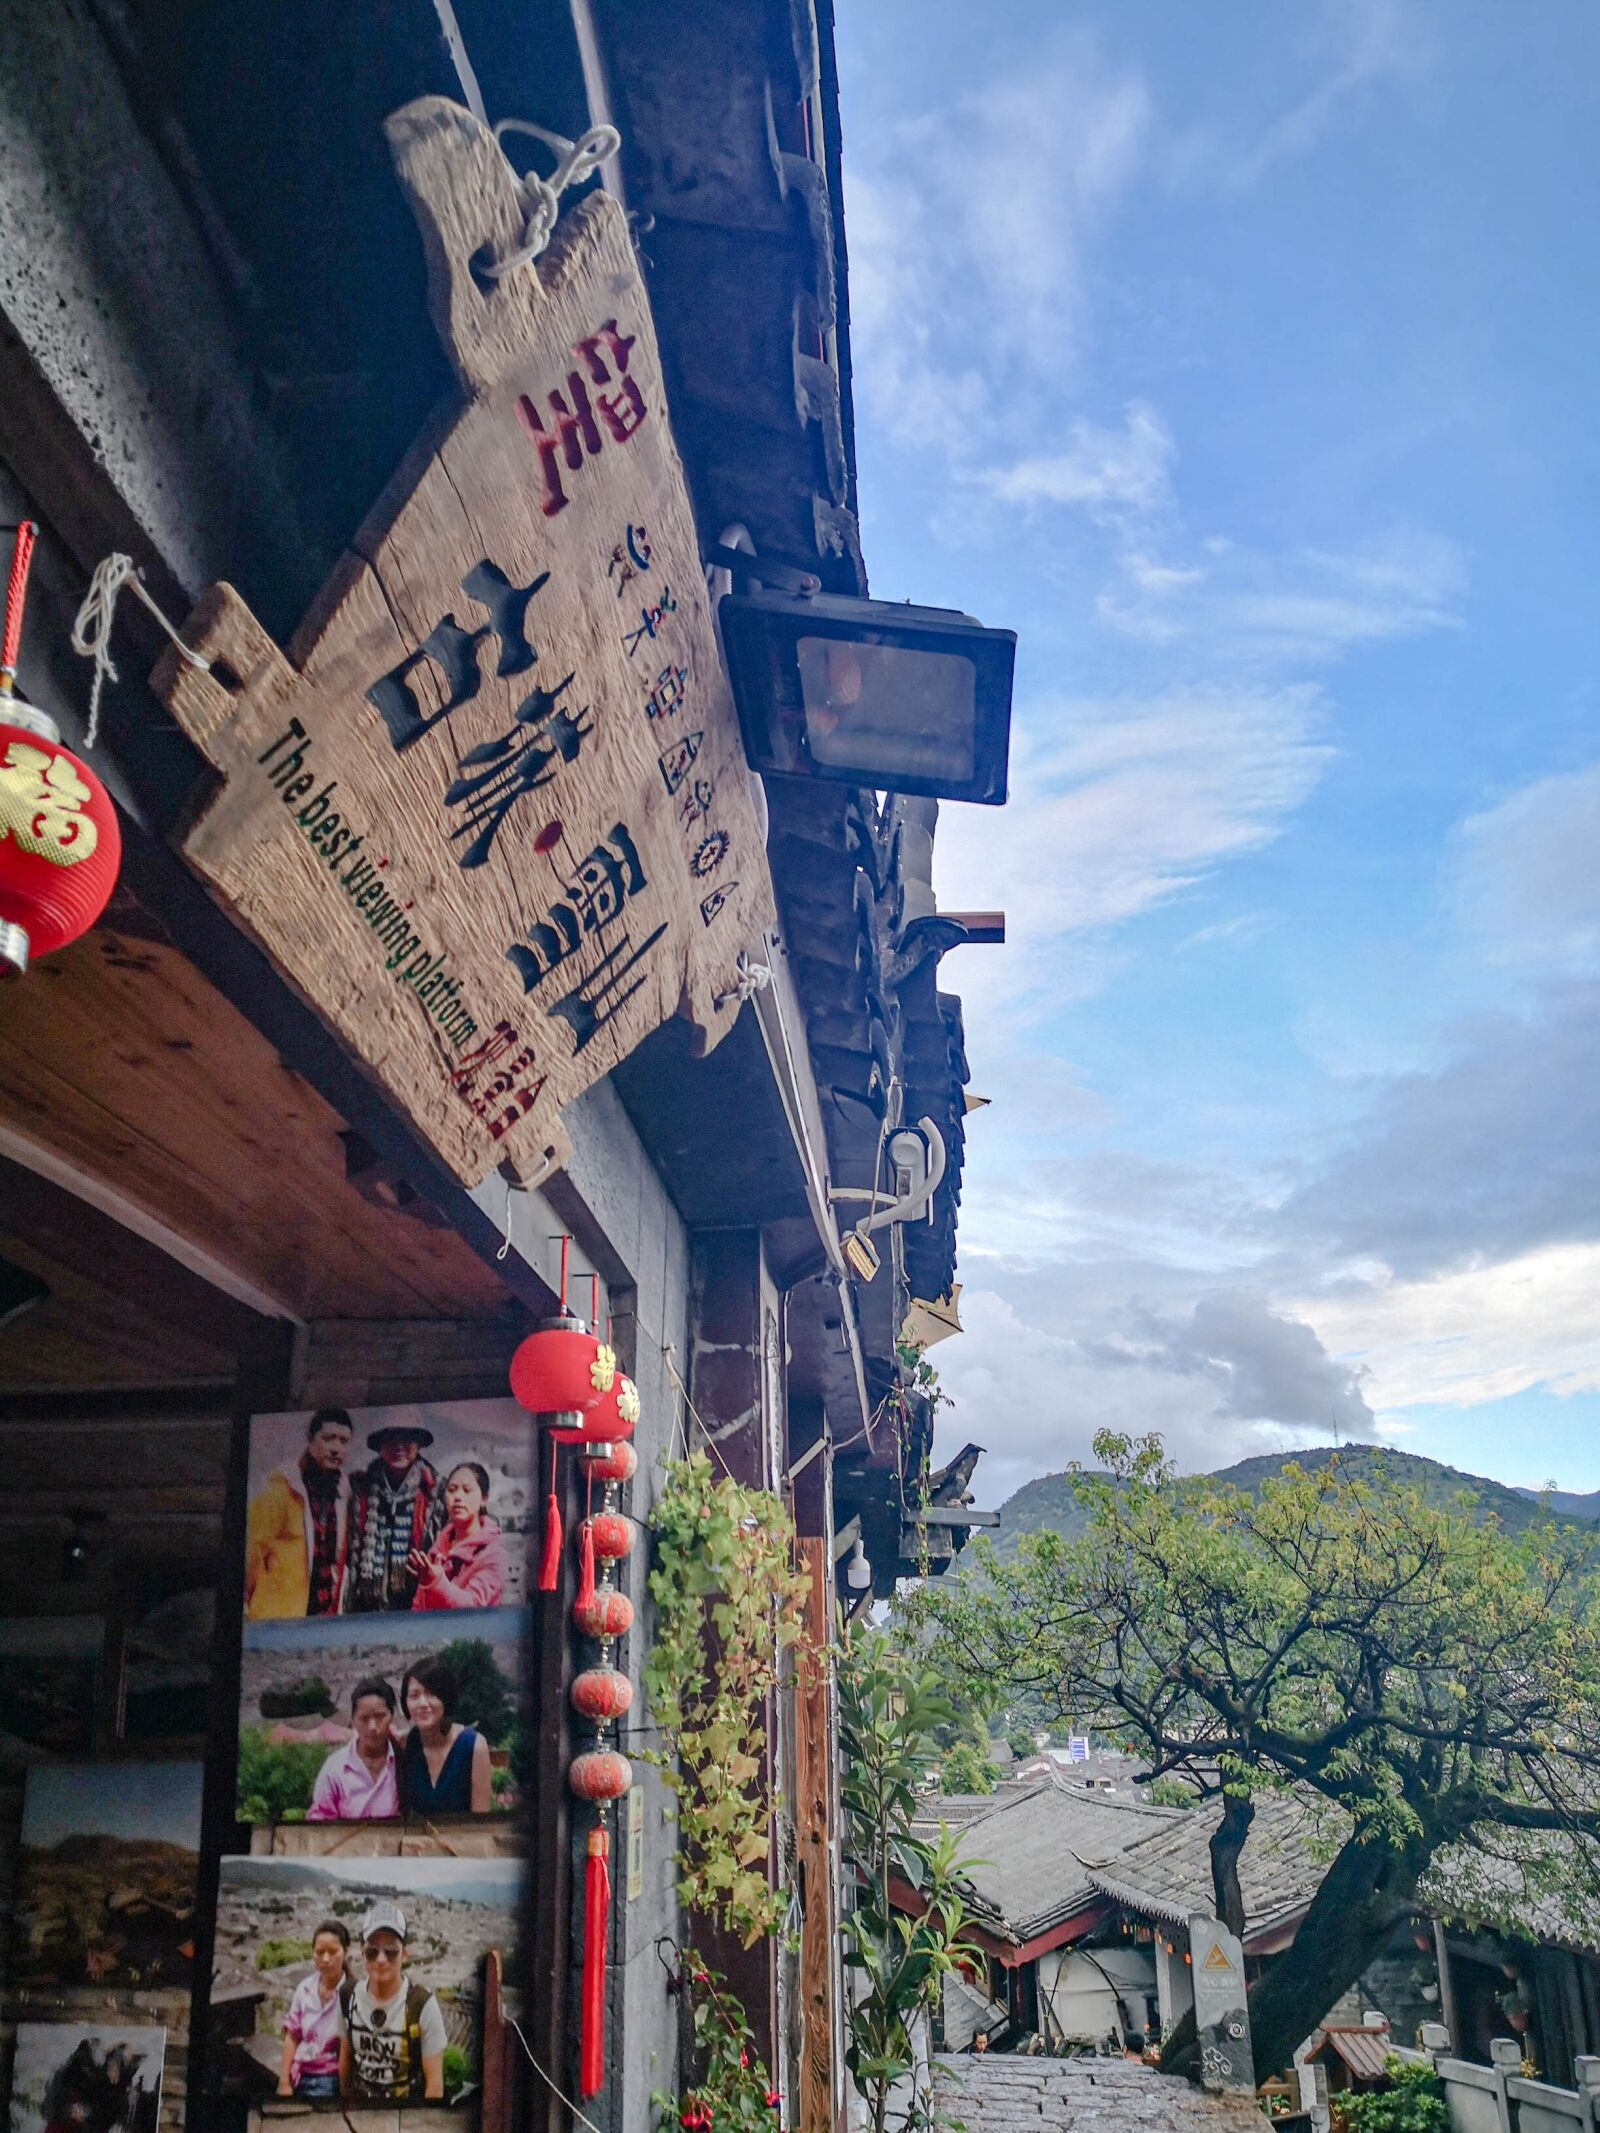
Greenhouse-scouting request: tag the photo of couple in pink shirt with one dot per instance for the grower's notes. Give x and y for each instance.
(436, 1766)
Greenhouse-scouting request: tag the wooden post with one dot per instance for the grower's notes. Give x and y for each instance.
(265, 1360)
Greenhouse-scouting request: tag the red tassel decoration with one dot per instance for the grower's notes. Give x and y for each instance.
(550, 1561)
(585, 1565)
(596, 1921)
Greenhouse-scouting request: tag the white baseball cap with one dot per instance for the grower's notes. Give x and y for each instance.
(384, 1917)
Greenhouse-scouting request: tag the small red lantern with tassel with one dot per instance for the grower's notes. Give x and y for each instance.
(608, 1614)
(600, 1774)
(613, 1464)
(60, 846)
(602, 1693)
(613, 1534)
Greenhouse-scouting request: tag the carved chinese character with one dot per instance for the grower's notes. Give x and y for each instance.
(594, 898)
(454, 651)
(566, 429)
(517, 763)
(709, 854)
(42, 799)
(630, 556)
(675, 762)
(590, 1006)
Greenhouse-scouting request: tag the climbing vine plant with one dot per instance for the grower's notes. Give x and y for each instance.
(728, 1605)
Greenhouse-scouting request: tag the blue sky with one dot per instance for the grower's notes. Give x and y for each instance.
(1243, 360)
(142, 1800)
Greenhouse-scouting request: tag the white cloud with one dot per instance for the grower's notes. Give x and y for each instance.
(1138, 801)
(1480, 1333)
(1305, 609)
(1354, 51)
(1224, 1378)
(1523, 874)
(1110, 473)
(988, 211)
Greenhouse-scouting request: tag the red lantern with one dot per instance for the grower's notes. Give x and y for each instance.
(608, 1614)
(611, 1462)
(60, 846)
(614, 1535)
(600, 1774)
(602, 1692)
(610, 1419)
(561, 1369)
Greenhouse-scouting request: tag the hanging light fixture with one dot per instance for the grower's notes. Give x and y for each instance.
(858, 1571)
(904, 699)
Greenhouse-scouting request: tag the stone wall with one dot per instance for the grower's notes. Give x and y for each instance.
(995, 2093)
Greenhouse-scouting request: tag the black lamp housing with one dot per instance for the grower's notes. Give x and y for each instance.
(870, 692)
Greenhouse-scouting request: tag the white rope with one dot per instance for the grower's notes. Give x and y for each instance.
(91, 630)
(541, 197)
(513, 2023)
(749, 979)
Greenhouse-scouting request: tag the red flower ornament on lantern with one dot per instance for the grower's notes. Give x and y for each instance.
(613, 1535)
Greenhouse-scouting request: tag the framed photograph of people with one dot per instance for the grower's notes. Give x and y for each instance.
(388, 1510)
(363, 1718)
(363, 1977)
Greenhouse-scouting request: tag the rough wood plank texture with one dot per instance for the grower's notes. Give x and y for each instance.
(814, 1778)
(491, 816)
(247, 1166)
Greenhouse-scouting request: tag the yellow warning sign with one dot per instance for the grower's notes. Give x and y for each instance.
(1216, 1960)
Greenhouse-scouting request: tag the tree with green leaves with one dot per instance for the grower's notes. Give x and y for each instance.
(965, 1768)
(890, 1709)
(1418, 1675)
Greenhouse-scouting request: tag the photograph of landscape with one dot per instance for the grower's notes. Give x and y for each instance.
(268, 1910)
(296, 1680)
(106, 1893)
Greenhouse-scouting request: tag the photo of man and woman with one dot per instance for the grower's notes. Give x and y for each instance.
(365, 1975)
(388, 1510)
(376, 1718)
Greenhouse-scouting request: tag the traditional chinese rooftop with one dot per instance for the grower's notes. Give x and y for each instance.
(1167, 1875)
(1029, 1850)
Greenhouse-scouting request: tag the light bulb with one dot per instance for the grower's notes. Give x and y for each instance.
(858, 1571)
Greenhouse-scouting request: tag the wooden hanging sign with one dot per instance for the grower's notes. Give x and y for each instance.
(490, 813)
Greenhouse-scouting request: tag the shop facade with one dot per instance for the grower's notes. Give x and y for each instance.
(457, 970)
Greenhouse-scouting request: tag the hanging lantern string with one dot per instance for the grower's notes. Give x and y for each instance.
(16, 598)
(540, 198)
(91, 631)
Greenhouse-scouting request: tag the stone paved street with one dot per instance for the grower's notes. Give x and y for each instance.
(995, 2094)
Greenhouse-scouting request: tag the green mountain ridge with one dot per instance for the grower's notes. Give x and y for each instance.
(1048, 1504)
